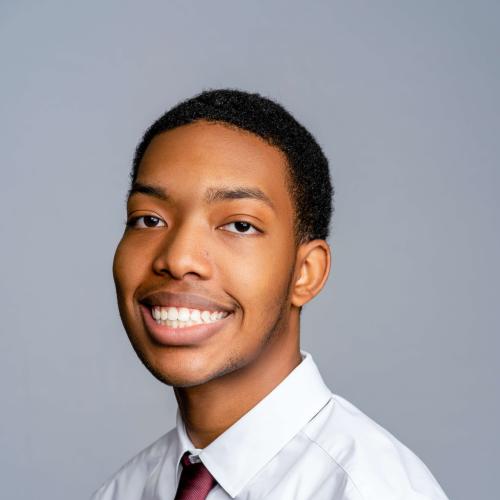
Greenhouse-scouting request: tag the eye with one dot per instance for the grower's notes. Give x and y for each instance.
(145, 221)
(242, 227)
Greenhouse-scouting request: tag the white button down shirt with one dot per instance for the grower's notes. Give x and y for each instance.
(300, 442)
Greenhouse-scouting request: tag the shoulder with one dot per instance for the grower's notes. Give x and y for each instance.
(132, 476)
(378, 465)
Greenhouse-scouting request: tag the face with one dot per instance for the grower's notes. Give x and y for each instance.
(204, 269)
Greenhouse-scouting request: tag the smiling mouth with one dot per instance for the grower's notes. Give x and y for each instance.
(182, 317)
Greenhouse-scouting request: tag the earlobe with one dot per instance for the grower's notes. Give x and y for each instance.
(313, 268)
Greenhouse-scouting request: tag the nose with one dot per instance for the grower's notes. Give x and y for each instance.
(183, 253)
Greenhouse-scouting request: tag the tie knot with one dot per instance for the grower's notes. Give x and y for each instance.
(186, 461)
(195, 482)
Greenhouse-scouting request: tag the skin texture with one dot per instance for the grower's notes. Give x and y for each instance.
(196, 247)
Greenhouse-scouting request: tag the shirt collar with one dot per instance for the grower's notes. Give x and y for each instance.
(242, 450)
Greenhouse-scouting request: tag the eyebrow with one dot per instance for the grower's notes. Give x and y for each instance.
(212, 194)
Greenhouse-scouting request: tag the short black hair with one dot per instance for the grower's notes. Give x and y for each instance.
(309, 180)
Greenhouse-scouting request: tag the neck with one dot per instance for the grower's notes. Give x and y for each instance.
(209, 409)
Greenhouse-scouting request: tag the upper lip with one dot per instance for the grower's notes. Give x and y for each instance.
(189, 300)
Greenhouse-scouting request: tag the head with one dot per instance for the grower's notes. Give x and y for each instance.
(228, 212)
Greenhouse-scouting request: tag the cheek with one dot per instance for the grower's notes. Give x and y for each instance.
(128, 267)
(258, 279)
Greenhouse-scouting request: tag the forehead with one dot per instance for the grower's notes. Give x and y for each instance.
(192, 158)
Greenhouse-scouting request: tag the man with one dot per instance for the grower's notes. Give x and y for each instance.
(228, 215)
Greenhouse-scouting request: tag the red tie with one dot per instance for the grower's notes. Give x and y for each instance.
(196, 482)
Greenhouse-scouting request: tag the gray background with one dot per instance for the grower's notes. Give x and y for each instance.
(403, 97)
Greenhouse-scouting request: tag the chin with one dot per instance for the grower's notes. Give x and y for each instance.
(182, 378)
(183, 369)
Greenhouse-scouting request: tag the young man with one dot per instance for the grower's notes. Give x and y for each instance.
(228, 215)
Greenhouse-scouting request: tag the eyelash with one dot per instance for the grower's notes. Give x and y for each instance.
(132, 223)
(257, 230)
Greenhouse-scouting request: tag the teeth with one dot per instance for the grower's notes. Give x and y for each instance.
(183, 314)
(181, 317)
(173, 313)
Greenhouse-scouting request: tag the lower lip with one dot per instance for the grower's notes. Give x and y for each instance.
(189, 335)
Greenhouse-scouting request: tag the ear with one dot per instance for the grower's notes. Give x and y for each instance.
(312, 268)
